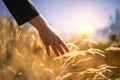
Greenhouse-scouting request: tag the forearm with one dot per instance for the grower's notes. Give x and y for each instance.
(39, 23)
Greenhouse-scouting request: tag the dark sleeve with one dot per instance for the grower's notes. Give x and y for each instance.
(22, 10)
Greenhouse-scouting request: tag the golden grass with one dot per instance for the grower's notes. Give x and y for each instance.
(23, 57)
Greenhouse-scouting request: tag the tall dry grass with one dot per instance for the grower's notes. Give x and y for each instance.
(23, 57)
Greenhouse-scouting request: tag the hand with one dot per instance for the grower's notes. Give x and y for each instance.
(49, 37)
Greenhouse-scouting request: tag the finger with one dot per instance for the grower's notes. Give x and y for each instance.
(48, 50)
(60, 49)
(55, 50)
(63, 45)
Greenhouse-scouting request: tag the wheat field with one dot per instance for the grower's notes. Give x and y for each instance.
(23, 57)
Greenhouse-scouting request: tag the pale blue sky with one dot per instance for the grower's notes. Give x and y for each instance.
(74, 16)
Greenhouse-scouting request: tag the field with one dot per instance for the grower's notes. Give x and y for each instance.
(23, 57)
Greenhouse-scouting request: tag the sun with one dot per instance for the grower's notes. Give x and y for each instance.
(88, 21)
(85, 28)
(86, 24)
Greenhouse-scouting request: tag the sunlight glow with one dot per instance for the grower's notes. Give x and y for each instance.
(81, 19)
(85, 28)
(88, 20)
(86, 24)
(76, 17)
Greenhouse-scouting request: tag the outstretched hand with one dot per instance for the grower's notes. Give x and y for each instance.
(49, 37)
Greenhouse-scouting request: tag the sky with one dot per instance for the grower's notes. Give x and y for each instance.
(74, 16)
